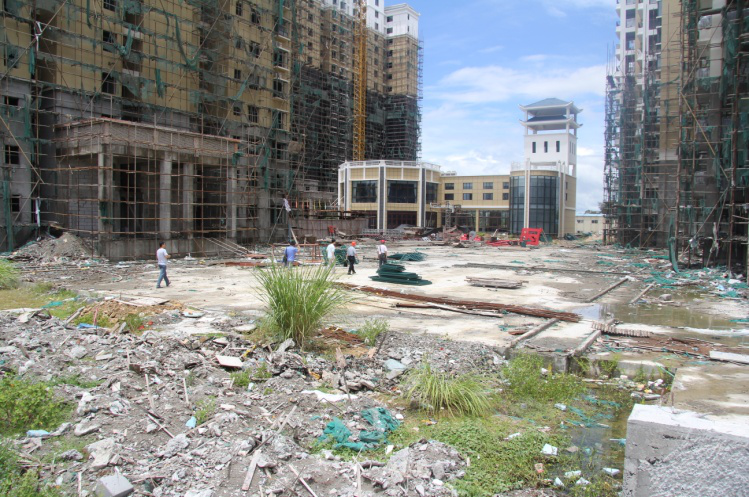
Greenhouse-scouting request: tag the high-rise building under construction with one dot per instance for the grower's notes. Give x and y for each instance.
(677, 128)
(128, 121)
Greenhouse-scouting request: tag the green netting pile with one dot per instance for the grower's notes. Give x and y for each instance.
(382, 422)
(408, 256)
(396, 273)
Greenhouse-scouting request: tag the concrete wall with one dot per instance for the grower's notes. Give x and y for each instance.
(674, 453)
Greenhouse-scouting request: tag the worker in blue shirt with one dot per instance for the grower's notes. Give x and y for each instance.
(289, 255)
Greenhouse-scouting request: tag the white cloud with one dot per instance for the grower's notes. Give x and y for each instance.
(534, 58)
(495, 48)
(498, 84)
(585, 152)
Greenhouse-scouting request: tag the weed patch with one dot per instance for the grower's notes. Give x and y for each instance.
(298, 299)
(205, 409)
(440, 392)
(8, 275)
(134, 322)
(25, 405)
(526, 381)
(497, 465)
(74, 380)
(14, 482)
(371, 329)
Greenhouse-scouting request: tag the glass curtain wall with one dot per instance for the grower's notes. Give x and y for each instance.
(517, 203)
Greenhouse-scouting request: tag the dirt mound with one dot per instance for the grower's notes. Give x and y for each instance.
(51, 250)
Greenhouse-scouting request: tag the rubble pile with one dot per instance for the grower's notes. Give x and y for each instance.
(51, 250)
(166, 416)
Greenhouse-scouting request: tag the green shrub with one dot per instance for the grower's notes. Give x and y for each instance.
(459, 395)
(25, 405)
(298, 299)
(8, 275)
(371, 329)
(526, 381)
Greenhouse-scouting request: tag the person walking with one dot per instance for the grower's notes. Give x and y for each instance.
(289, 255)
(351, 255)
(382, 253)
(330, 249)
(161, 258)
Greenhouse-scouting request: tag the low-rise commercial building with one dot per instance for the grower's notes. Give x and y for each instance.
(538, 193)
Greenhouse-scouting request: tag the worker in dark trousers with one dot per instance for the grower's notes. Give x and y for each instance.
(382, 253)
(351, 255)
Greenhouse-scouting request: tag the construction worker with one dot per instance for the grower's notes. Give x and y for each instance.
(351, 256)
(289, 255)
(330, 249)
(382, 253)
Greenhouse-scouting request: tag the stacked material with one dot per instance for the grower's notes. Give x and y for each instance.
(396, 273)
(408, 256)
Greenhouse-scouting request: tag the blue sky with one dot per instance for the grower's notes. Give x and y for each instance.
(482, 58)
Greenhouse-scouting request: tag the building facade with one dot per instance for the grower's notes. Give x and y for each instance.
(188, 121)
(539, 193)
(676, 150)
(543, 188)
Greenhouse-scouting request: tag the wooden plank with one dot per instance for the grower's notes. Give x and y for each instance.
(251, 470)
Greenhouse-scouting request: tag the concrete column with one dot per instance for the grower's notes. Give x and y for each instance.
(188, 199)
(527, 198)
(104, 195)
(561, 203)
(231, 204)
(382, 186)
(165, 198)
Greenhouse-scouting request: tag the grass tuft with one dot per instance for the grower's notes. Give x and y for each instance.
(441, 392)
(371, 329)
(8, 275)
(26, 405)
(298, 299)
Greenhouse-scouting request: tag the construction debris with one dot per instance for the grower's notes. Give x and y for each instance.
(494, 283)
(475, 305)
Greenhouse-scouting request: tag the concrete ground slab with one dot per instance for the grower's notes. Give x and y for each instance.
(716, 389)
(679, 453)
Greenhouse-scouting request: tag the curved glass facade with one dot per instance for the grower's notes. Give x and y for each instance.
(517, 203)
(544, 204)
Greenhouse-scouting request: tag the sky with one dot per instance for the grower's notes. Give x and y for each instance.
(483, 58)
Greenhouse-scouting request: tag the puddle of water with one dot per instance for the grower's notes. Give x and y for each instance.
(653, 314)
(599, 446)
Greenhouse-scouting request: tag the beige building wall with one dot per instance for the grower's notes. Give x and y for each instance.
(589, 223)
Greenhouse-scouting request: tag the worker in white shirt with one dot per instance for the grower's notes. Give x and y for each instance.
(330, 249)
(382, 253)
(161, 258)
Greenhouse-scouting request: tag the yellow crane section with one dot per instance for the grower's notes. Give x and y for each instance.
(360, 81)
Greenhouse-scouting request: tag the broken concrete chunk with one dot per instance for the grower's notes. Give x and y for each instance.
(611, 471)
(101, 452)
(82, 429)
(393, 365)
(561, 407)
(114, 486)
(558, 482)
(71, 455)
(582, 482)
(229, 362)
(175, 446)
(78, 352)
(204, 492)
(549, 450)
(572, 474)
